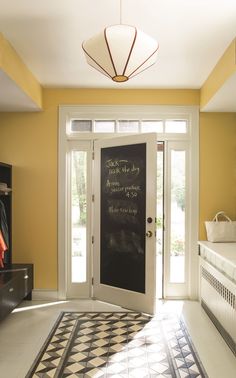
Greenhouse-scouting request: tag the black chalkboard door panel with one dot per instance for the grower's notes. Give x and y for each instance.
(124, 244)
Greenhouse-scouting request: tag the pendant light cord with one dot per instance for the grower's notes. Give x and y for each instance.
(120, 12)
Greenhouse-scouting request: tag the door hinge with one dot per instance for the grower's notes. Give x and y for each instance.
(92, 281)
(93, 155)
(92, 239)
(93, 197)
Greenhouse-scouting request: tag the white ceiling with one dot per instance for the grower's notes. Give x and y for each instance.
(47, 34)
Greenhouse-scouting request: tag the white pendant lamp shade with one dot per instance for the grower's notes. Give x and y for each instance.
(121, 52)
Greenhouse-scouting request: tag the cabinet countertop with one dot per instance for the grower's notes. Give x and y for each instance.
(227, 251)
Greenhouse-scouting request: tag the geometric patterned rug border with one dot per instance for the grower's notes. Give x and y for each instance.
(118, 345)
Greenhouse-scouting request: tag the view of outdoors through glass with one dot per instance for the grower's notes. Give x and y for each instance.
(175, 126)
(159, 220)
(104, 126)
(79, 216)
(128, 127)
(152, 126)
(177, 246)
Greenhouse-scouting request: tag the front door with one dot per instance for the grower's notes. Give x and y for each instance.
(124, 219)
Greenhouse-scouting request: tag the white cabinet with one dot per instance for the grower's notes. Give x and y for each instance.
(218, 287)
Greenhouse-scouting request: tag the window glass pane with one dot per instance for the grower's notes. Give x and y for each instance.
(104, 126)
(177, 246)
(152, 126)
(79, 125)
(128, 126)
(176, 126)
(79, 216)
(159, 219)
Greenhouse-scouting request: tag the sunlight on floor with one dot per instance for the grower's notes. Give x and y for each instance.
(20, 309)
(169, 306)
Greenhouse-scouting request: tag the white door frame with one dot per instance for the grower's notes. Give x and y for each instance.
(69, 112)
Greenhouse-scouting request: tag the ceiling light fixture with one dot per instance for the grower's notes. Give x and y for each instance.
(120, 51)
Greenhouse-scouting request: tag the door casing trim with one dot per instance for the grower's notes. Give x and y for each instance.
(68, 112)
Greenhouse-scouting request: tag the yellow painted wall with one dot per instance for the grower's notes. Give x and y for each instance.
(217, 166)
(53, 97)
(29, 141)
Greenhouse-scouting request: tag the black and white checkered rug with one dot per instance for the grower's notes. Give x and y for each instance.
(118, 345)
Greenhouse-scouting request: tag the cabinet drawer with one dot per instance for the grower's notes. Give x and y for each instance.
(11, 294)
(15, 285)
(28, 276)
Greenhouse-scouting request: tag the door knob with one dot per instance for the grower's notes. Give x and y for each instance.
(149, 234)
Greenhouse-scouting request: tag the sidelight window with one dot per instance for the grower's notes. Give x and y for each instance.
(79, 215)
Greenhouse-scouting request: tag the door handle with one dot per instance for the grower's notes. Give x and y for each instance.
(149, 234)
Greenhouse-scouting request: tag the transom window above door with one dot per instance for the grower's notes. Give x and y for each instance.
(160, 126)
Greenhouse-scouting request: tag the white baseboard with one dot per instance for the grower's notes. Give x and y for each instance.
(44, 294)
